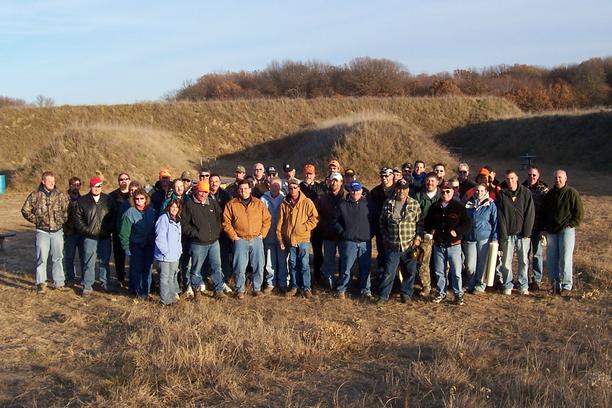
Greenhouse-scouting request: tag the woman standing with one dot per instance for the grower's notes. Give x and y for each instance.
(137, 235)
(482, 211)
(168, 250)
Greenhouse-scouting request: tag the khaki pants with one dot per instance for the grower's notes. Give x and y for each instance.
(424, 258)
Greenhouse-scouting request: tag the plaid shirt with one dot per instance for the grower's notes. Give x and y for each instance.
(399, 235)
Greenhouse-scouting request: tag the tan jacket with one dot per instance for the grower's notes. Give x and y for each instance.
(246, 222)
(296, 221)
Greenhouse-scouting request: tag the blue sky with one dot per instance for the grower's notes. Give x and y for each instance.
(104, 52)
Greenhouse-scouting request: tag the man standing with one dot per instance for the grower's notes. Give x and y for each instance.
(378, 196)
(201, 224)
(94, 218)
(240, 174)
(440, 171)
(298, 216)
(426, 198)
(161, 190)
(120, 195)
(447, 221)
(222, 197)
(73, 241)
(246, 221)
(463, 173)
(418, 177)
(260, 180)
(538, 191)
(327, 207)
(313, 190)
(563, 212)
(401, 227)
(47, 209)
(187, 179)
(516, 214)
(353, 223)
(289, 171)
(276, 257)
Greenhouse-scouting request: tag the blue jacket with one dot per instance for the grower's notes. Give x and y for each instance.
(484, 220)
(137, 227)
(273, 205)
(168, 247)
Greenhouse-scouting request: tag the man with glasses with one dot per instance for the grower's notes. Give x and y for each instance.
(187, 179)
(401, 227)
(120, 195)
(201, 224)
(538, 191)
(94, 218)
(516, 214)
(260, 181)
(379, 195)
(440, 171)
(246, 220)
(297, 217)
(240, 174)
(447, 221)
(204, 175)
(47, 209)
(463, 173)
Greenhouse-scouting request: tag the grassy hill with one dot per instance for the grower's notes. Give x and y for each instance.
(130, 136)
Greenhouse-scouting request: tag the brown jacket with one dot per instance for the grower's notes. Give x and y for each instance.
(49, 212)
(246, 222)
(296, 221)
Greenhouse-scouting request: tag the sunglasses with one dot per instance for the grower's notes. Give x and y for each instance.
(447, 191)
(462, 172)
(189, 180)
(124, 179)
(293, 188)
(204, 175)
(439, 171)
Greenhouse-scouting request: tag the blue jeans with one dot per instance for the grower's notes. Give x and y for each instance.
(299, 266)
(509, 246)
(475, 253)
(276, 266)
(96, 249)
(350, 251)
(72, 242)
(559, 253)
(168, 274)
(329, 262)
(50, 243)
(452, 256)
(392, 260)
(202, 255)
(141, 262)
(537, 263)
(245, 251)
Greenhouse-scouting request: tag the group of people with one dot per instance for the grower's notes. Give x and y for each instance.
(425, 226)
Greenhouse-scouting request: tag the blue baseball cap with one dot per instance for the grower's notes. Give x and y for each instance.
(355, 186)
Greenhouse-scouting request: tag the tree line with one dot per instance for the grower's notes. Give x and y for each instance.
(531, 88)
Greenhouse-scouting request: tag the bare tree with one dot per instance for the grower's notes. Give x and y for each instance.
(44, 101)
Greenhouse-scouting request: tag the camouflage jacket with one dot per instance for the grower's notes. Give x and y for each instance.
(48, 211)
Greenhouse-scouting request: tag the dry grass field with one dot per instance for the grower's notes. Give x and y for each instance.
(107, 350)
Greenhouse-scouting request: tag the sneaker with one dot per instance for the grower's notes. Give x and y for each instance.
(438, 299)
(267, 289)
(524, 292)
(367, 297)
(227, 289)
(425, 292)
(307, 294)
(507, 292)
(85, 293)
(202, 287)
(459, 300)
(340, 295)
(291, 292)
(405, 299)
(220, 295)
(41, 288)
(565, 293)
(188, 293)
(62, 288)
(240, 295)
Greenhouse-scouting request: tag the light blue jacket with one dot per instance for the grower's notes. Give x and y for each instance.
(168, 247)
(484, 220)
(273, 205)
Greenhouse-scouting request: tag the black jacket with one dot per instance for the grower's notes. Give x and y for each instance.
(515, 213)
(327, 205)
(353, 220)
(442, 220)
(94, 220)
(201, 223)
(314, 190)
